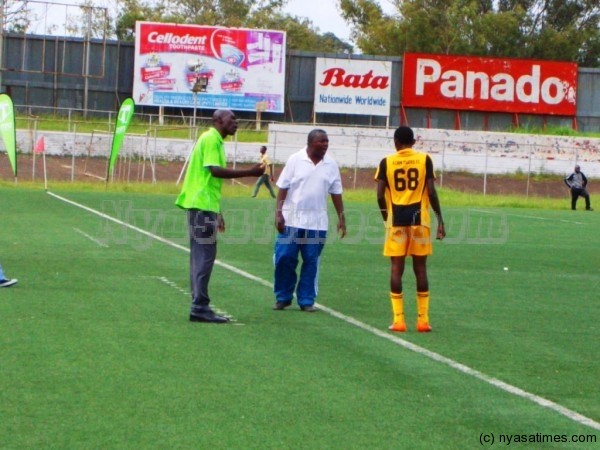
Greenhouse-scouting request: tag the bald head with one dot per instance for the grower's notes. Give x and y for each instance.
(220, 114)
(225, 122)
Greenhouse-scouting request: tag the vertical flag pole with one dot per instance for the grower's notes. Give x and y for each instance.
(45, 176)
(33, 139)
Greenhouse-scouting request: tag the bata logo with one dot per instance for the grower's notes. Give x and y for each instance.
(337, 77)
(502, 87)
(155, 37)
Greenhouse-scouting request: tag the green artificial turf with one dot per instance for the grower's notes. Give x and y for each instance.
(97, 351)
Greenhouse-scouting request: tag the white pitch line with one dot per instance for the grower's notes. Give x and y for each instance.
(181, 290)
(91, 238)
(173, 285)
(573, 415)
(545, 403)
(158, 238)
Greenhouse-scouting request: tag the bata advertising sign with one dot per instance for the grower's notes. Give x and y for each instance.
(346, 86)
(227, 68)
(489, 84)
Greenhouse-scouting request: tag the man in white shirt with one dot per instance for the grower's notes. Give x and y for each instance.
(301, 220)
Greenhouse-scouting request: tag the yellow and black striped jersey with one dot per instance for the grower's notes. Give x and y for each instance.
(405, 174)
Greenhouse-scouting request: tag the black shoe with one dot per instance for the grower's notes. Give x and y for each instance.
(589, 209)
(308, 308)
(280, 306)
(208, 317)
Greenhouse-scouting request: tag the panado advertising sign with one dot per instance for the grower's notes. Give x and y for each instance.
(239, 67)
(489, 84)
(353, 86)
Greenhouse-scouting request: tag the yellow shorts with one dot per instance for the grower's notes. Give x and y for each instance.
(407, 241)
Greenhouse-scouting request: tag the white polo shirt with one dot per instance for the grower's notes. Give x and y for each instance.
(308, 186)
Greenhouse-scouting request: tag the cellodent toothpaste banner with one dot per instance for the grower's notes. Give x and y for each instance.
(237, 68)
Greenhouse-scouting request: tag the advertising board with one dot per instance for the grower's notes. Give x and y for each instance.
(346, 86)
(209, 67)
(489, 84)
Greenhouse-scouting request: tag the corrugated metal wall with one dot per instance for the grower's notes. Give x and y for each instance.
(48, 71)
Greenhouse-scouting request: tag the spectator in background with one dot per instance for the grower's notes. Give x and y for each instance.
(577, 183)
(267, 177)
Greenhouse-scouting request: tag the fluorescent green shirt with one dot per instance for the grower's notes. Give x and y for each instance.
(200, 189)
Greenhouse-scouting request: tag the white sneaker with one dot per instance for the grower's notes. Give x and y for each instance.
(7, 283)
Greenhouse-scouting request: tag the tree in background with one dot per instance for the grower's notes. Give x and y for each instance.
(15, 16)
(301, 33)
(81, 19)
(567, 30)
(132, 11)
(91, 21)
(87, 18)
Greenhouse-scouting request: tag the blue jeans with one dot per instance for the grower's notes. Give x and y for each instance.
(289, 244)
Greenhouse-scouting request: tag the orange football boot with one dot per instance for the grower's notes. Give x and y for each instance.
(423, 327)
(398, 327)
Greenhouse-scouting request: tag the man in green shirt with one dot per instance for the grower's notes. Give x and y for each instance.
(201, 197)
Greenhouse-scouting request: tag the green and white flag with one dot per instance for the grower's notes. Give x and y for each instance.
(7, 129)
(122, 123)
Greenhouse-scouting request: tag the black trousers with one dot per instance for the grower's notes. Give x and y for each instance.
(579, 192)
(203, 253)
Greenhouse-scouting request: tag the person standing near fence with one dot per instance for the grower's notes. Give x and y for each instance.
(267, 177)
(577, 183)
(201, 197)
(405, 190)
(301, 220)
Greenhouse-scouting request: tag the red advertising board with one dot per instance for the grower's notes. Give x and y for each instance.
(489, 84)
(223, 43)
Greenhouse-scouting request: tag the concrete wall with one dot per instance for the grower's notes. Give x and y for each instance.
(472, 151)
